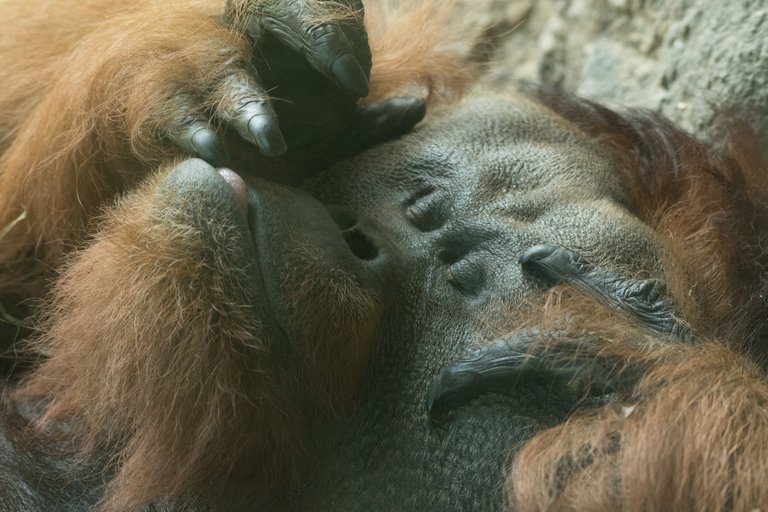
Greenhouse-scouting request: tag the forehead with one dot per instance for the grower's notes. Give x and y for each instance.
(496, 146)
(505, 164)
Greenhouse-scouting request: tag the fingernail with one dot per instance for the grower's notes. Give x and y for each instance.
(266, 136)
(349, 75)
(208, 146)
(406, 111)
(536, 253)
(416, 111)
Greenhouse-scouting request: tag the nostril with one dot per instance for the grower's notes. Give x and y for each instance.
(343, 218)
(360, 245)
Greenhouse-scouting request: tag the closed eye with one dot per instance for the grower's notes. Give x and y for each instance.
(428, 209)
(467, 275)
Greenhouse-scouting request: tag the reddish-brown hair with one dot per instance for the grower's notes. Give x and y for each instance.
(708, 203)
(691, 435)
(83, 118)
(87, 88)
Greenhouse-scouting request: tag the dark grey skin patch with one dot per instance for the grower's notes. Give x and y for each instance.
(463, 197)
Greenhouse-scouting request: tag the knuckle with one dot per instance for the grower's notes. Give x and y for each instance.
(238, 90)
(321, 34)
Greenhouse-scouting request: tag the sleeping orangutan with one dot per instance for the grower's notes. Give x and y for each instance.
(259, 327)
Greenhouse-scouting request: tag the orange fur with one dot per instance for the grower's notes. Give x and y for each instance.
(406, 55)
(88, 94)
(87, 98)
(709, 204)
(93, 121)
(180, 379)
(691, 434)
(172, 373)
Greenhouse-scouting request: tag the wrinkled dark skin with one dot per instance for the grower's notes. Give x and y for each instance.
(643, 298)
(299, 93)
(338, 51)
(503, 365)
(451, 209)
(508, 362)
(321, 115)
(432, 222)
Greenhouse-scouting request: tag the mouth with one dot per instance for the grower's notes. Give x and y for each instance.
(297, 240)
(245, 197)
(239, 189)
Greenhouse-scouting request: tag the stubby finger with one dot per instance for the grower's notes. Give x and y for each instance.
(198, 138)
(556, 264)
(329, 51)
(496, 366)
(384, 120)
(507, 362)
(646, 299)
(325, 46)
(245, 107)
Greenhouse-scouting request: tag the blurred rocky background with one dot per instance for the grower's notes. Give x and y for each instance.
(689, 59)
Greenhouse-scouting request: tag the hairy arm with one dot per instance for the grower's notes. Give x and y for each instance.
(95, 95)
(683, 423)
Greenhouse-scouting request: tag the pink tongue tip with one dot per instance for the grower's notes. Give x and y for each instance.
(238, 187)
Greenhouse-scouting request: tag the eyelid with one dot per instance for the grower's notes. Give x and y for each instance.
(467, 275)
(429, 213)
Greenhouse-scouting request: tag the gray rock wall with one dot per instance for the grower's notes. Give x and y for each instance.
(688, 59)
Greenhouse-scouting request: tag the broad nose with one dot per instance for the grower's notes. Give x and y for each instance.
(365, 237)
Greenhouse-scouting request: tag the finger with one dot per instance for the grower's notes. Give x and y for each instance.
(198, 138)
(495, 366)
(507, 362)
(245, 107)
(328, 50)
(646, 299)
(326, 46)
(188, 128)
(384, 120)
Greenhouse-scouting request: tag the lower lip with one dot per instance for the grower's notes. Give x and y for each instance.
(239, 190)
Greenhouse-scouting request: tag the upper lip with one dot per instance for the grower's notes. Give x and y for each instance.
(278, 220)
(269, 303)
